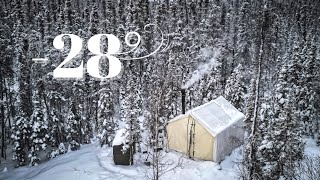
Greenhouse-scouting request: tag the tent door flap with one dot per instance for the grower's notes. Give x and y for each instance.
(191, 137)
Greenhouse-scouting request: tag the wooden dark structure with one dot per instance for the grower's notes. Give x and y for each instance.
(123, 158)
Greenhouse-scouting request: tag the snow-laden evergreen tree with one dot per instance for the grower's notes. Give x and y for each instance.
(130, 10)
(21, 133)
(106, 126)
(235, 88)
(212, 22)
(243, 35)
(108, 15)
(6, 80)
(132, 124)
(21, 49)
(285, 146)
(39, 133)
(86, 129)
(56, 129)
(73, 129)
(94, 20)
(40, 24)
(264, 141)
(295, 77)
(308, 99)
(68, 16)
(316, 85)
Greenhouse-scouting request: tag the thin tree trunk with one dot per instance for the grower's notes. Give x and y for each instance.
(256, 102)
(2, 117)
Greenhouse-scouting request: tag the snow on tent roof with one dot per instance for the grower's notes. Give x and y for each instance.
(215, 115)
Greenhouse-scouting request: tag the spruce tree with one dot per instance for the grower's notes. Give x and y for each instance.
(235, 88)
(39, 134)
(106, 123)
(73, 129)
(21, 133)
(286, 132)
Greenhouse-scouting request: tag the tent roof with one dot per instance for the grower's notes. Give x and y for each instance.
(215, 115)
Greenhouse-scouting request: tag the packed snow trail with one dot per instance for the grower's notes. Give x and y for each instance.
(90, 162)
(93, 162)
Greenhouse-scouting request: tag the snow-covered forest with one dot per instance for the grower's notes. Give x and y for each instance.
(263, 56)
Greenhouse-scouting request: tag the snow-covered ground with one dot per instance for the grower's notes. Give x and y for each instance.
(93, 162)
(311, 148)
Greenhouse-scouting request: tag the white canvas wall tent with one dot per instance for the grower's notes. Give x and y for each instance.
(208, 132)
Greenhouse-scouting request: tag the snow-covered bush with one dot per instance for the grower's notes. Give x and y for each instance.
(56, 152)
(73, 146)
(34, 159)
(62, 148)
(53, 154)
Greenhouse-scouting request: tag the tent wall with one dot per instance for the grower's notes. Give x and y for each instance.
(203, 143)
(227, 140)
(178, 133)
